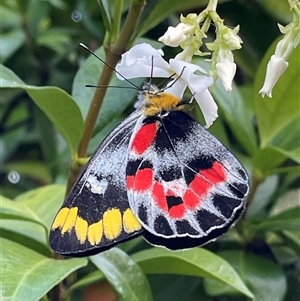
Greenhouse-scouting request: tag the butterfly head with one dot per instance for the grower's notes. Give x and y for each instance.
(154, 101)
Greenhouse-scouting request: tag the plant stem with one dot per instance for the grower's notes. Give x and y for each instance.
(113, 54)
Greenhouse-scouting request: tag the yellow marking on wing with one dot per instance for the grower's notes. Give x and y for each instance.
(81, 229)
(95, 233)
(70, 220)
(112, 223)
(60, 218)
(130, 222)
(161, 102)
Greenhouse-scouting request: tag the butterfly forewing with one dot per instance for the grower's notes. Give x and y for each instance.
(184, 186)
(96, 214)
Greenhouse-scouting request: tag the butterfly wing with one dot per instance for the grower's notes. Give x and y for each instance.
(96, 214)
(184, 186)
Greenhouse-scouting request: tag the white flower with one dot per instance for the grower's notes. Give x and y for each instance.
(278, 64)
(275, 68)
(174, 36)
(145, 61)
(226, 68)
(226, 71)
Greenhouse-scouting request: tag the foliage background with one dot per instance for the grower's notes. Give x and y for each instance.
(43, 105)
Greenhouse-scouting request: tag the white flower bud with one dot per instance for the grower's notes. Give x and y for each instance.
(226, 71)
(225, 68)
(174, 36)
(276, 67)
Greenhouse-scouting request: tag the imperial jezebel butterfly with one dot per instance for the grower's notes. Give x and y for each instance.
(159, 174)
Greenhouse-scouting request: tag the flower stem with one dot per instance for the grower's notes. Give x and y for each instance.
(212, 5)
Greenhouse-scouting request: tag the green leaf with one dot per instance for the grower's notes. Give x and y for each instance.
(195, 262)
(174, 287)
(268, 158)
(26, 233)
(262, 198)
(27, 275)
(237, 111)
(58, 105)
(12, 210)
(287, 220)
(10, 43)
(105, 14)
(288, 200)
(266, 279)
(124, 275)
(238, 115)
(56, 39)
(44, 202)
(274, 114)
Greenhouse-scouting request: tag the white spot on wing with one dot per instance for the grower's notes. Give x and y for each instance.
(96, 186)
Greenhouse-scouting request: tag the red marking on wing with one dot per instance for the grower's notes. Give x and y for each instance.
(143, 179)
(144, 138)
(177, 211)
(130, 182)
(200, 185)
(159, 196)
(190, 199)
(198, 188)
(215, 174)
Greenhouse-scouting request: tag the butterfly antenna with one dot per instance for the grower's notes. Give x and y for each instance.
(175, 81)
(105, 86)
(109, 66)
(164, 82)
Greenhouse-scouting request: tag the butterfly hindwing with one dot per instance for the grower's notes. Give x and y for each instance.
(184, 186)
(96, 214)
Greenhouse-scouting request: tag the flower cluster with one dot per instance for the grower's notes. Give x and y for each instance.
(278, 62)
(143, 60)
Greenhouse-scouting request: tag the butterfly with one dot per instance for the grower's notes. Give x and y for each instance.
(159, 174)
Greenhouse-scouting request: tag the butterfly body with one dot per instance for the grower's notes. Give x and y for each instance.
(159, 174)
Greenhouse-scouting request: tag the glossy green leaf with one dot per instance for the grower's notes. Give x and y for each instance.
(286, 201)
(105, 13)
(195, 262)
(116, 99)
(174, 287)
(292, 154)
(44, 202)
(265, 278)
(124, 274)
(10, 43)
(262, 198)
(237, 114)
(55, 103)
(268, 158)
(10, 18)
(12, 210)
(274, 114)
(55, 39)
(28, 234)
(287, 220)
(27, 275)
(236, 108)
